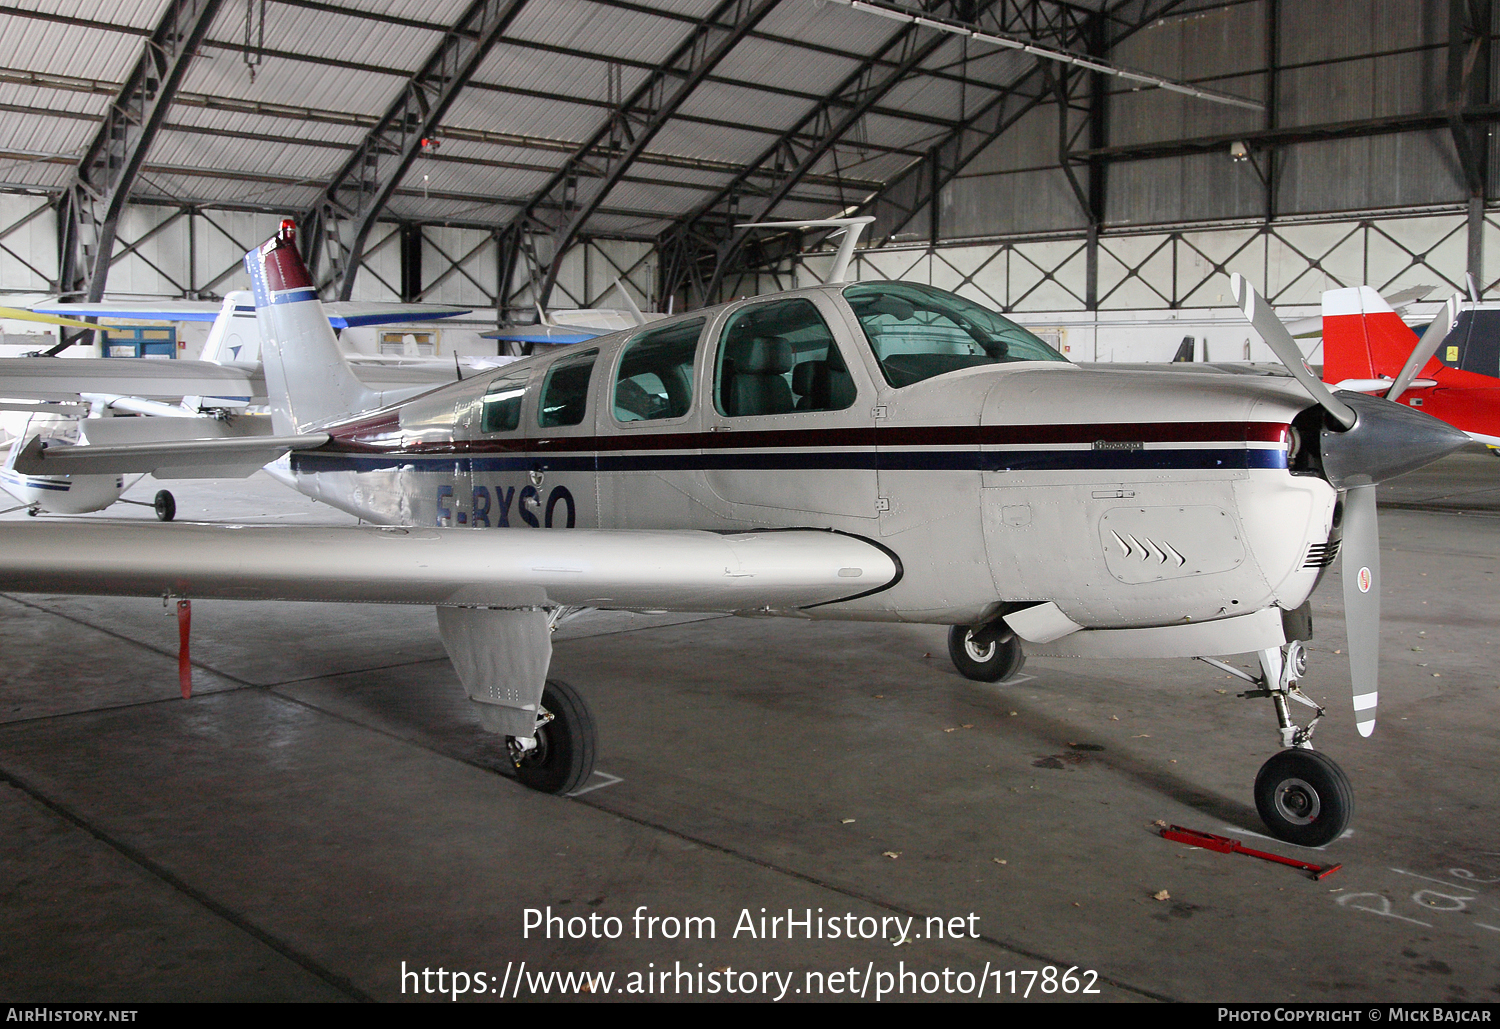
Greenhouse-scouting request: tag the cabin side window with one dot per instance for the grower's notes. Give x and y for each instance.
(565, 392)
(656, 374)
(780, 358)
(500, 408)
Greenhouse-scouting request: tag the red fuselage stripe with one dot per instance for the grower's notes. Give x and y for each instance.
(383, 435)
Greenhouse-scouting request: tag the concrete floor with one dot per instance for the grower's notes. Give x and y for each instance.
(324, 811)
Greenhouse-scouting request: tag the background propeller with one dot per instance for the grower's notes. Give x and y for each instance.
(1425, 348)
(1364, 441)
(1275, 334)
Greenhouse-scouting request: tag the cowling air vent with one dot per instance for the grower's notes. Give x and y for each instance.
(1148, 544)
(1321, 555)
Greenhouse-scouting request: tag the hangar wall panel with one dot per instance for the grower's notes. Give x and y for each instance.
(28, 244)
(1291, 263)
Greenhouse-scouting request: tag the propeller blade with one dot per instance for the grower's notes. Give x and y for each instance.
(1360, 557)
(1425, 348)
(1270, 329)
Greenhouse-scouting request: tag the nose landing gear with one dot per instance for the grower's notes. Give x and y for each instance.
(1302, 796)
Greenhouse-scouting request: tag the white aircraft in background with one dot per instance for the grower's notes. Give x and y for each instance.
(877, 451)
(73, 402)
(575, 325)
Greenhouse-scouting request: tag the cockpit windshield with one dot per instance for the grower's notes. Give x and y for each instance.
(918, 331)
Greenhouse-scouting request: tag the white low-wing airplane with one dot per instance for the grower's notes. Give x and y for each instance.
(878, 451)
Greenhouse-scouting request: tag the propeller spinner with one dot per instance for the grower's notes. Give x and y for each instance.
(1364, 441)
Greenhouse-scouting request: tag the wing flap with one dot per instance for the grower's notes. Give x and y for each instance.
(673, 570)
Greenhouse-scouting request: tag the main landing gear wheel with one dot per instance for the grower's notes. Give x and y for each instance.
(563, 757)
(165, 506)
(1304, 797)
(990, 653)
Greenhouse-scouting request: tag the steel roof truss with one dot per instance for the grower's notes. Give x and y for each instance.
(340, 222)
(90, 208)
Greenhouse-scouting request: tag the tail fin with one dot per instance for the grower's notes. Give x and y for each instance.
(308, 380)
(235, 335)
(1363, 338)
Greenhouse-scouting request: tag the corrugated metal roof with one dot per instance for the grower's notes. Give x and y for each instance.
(282, 158)
(293, 83)
(140, 14)
(761, 60)
(68, 49)
(324, 34)
(524, 115)
(831, 25)
(626, 33)
(39, 134)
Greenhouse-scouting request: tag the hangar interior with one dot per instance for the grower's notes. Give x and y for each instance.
(325, 816)
(496, 154)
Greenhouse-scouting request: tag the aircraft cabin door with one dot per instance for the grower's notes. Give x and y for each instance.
(788, 427)
(649, 474)
(557, 482)
(489, 430)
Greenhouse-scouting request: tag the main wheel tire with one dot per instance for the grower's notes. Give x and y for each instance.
(989, 653)
(165, 506)
(1304, 797)
(563, 757)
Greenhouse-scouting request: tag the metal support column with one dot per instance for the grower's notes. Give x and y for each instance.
(1469, 86)
(90, 207)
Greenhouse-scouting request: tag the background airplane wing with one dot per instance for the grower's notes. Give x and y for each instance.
(345, 313)
(552, 334)
(674, 570)
(166, 310)
(52, 378)
(230, 457)
(341, 314)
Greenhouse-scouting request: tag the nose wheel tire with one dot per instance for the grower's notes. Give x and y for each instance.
(990, 653)
(1304, 797)
(563, 757)
(165, 505)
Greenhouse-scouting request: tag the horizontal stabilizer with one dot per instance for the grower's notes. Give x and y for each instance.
(232, 457)
(673, 570)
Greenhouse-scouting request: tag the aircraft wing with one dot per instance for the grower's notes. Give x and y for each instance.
(341, 314)
(555, 334)
(54, 378)
(345, 313)
(675, 570)
(16, 314)
(229, 457)
(162, 310)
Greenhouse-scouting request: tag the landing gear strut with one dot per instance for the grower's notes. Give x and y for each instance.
(1302, 796)
(559, 758)
(985, 653)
